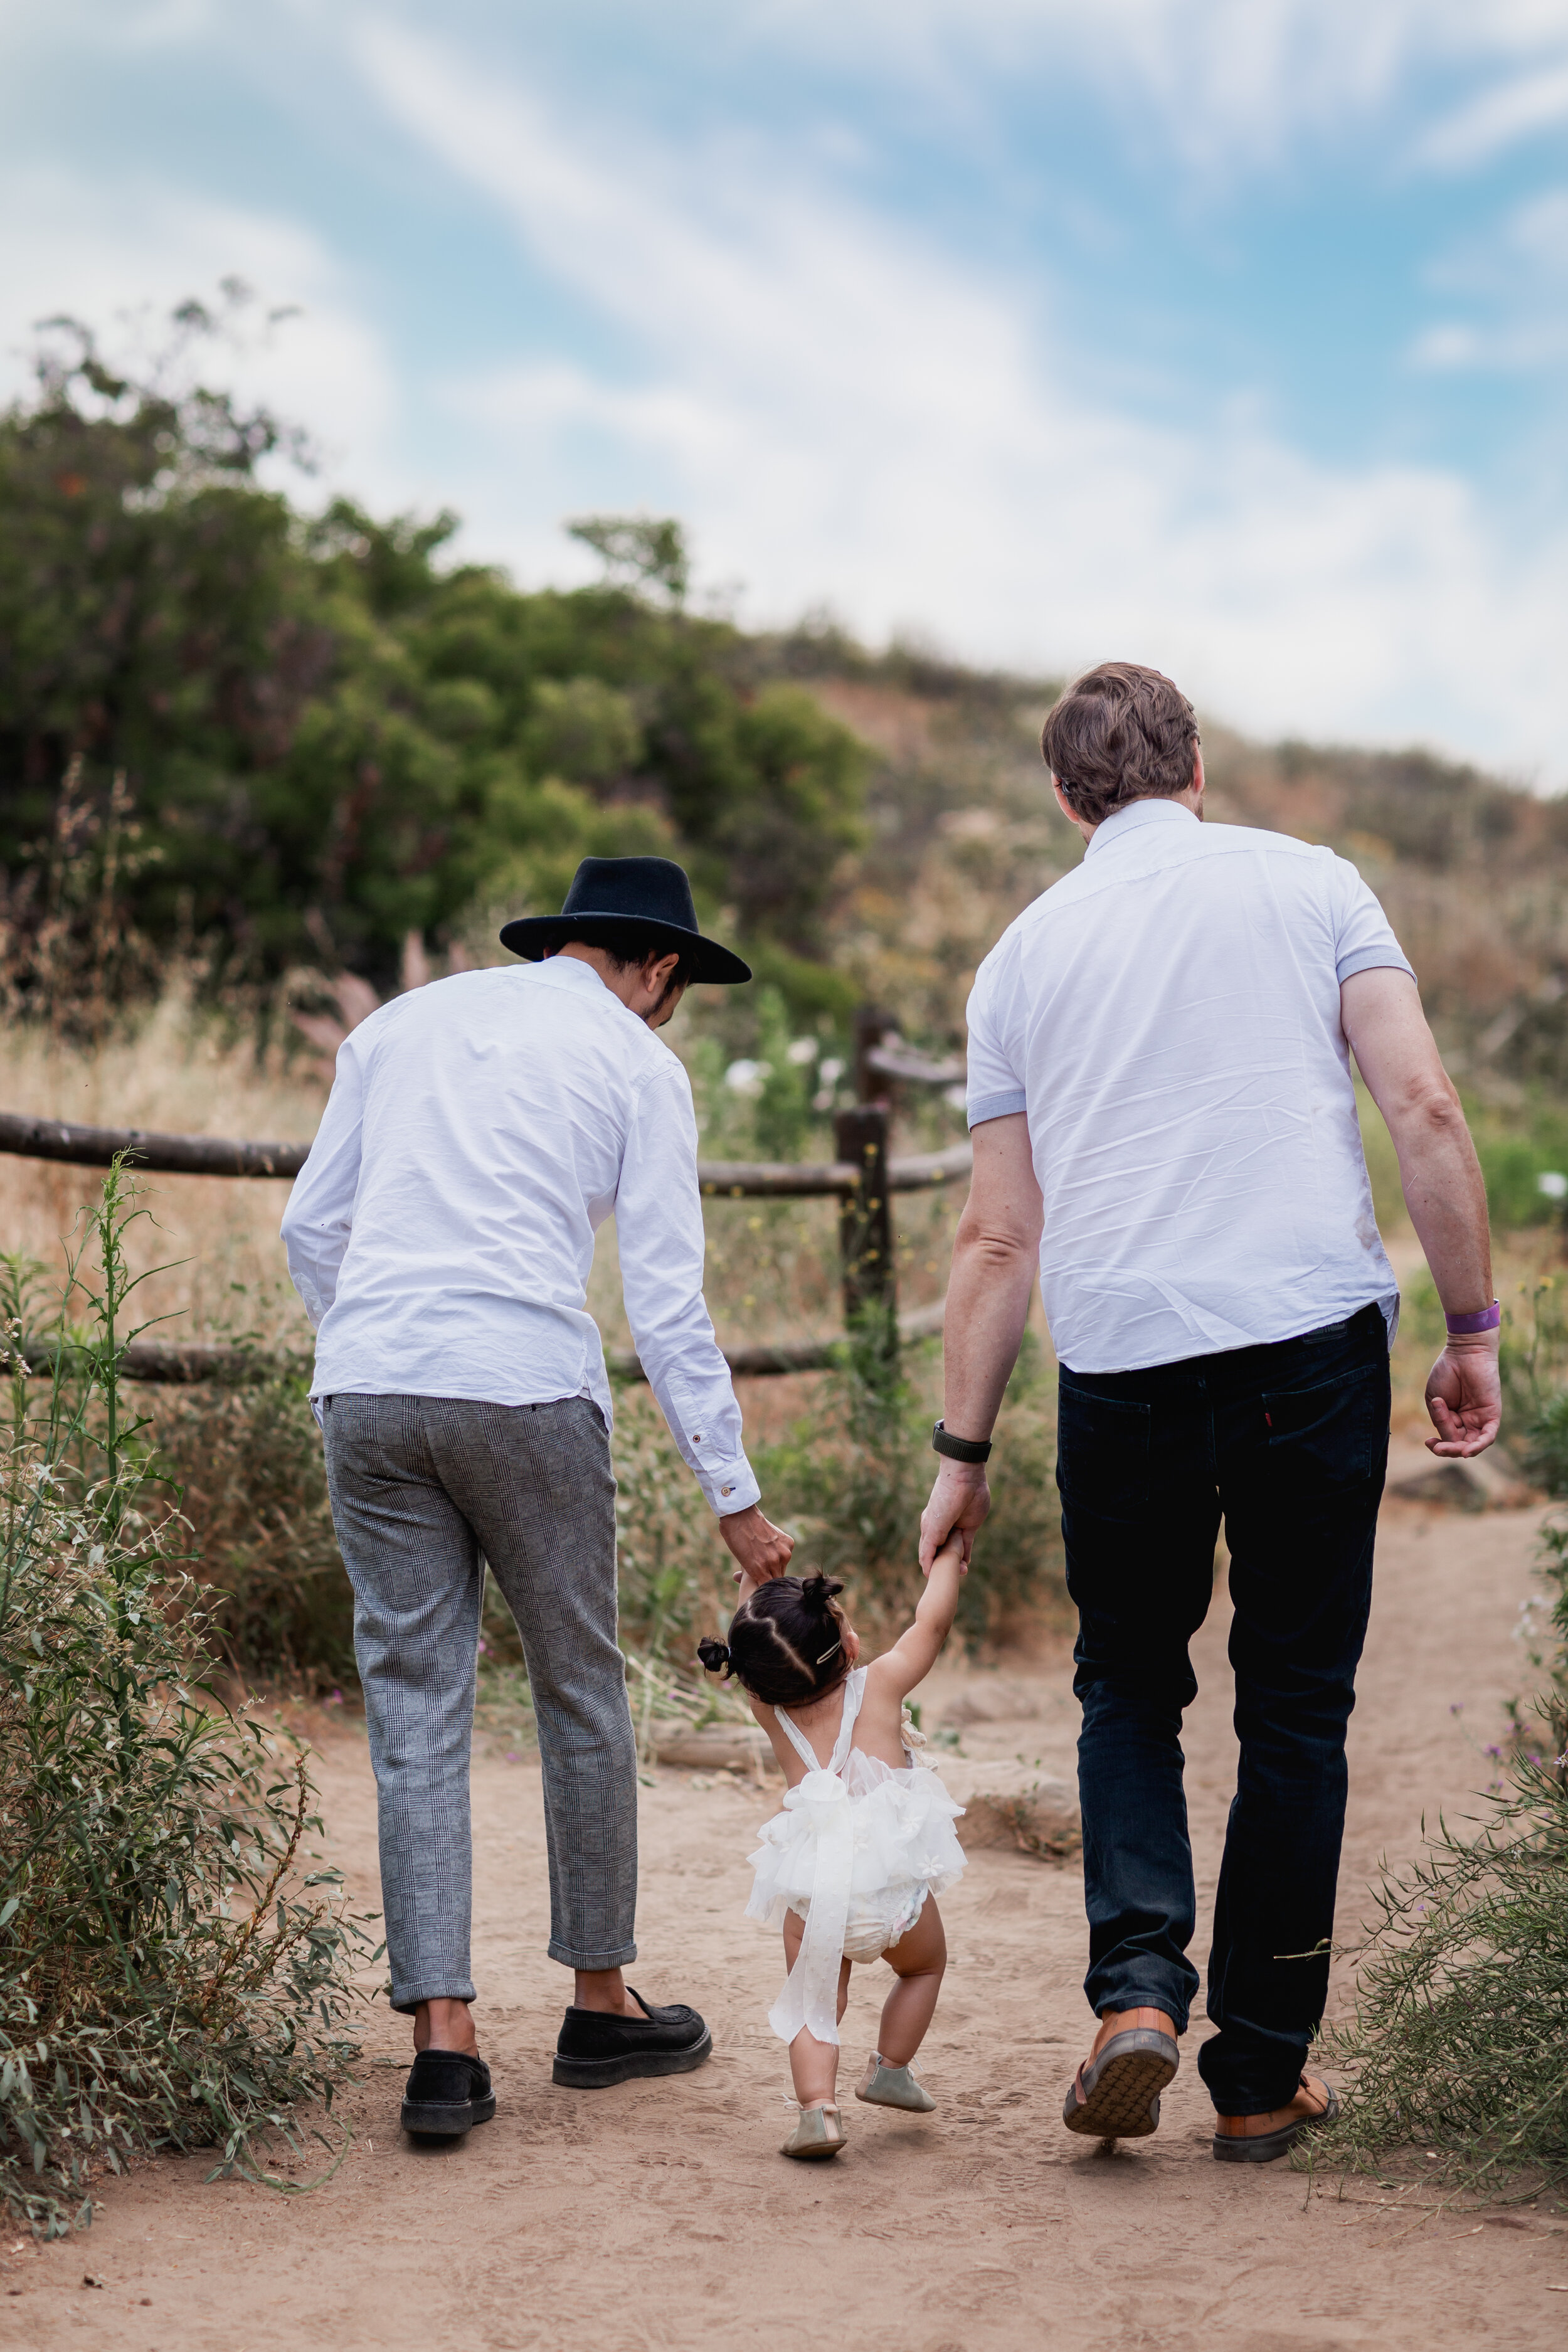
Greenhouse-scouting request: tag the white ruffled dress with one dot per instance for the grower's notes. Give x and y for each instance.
(854, 1853)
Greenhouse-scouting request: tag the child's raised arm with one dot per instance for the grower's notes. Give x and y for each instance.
(914, 1653)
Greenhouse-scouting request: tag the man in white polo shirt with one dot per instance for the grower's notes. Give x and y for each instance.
(1166, 1127)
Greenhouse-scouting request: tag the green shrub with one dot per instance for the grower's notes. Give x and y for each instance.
(1534, 1358)
(168, 1976)
(1512, 1167)
(854, 1476)
(1460, 2043)
(249, 1471)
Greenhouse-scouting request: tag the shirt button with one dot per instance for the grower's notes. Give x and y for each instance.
(726, 1490)
(697, 1437)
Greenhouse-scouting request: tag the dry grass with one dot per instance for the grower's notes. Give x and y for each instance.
(177, 1069)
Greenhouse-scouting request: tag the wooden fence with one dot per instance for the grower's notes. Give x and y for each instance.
(862, 1179)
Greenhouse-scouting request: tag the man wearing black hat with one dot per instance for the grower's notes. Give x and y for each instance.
(480, 1130)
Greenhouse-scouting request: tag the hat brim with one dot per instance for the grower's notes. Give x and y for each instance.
(536, 936)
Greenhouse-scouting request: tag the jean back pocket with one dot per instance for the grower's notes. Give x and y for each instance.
(1332, 1434)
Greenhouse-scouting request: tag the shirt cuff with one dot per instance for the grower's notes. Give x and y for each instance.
(731, 1486)
(986, 1107)
(1370, 960)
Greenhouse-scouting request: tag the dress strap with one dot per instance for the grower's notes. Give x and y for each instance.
(798, 1740)
(853, 1692)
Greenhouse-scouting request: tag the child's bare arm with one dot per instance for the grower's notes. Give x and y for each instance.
(914, 1653)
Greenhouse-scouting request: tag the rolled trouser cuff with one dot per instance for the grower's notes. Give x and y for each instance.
(590, 1962)
(1177, 2011)
(405, 2001)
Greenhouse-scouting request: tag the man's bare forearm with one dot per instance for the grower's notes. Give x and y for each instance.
(1442, 1191)
(1446, 1197)
(996, 1253)
(988, 1296)
(1439, 1171)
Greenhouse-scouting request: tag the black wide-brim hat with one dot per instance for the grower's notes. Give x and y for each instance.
(613, 899)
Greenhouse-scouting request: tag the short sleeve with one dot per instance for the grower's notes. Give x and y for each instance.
(995, 1084)
(1363, 936)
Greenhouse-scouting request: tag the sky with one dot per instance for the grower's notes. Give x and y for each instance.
(1227, 335)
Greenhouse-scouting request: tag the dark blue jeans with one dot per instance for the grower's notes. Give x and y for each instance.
(1289, 1442)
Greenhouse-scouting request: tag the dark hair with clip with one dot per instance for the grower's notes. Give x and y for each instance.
(786, 1642)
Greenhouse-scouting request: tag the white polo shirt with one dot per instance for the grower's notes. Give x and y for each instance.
(1168, 1015)
(441, 1233)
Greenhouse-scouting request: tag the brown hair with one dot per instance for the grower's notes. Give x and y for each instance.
(786, 1644)
(1119, 733)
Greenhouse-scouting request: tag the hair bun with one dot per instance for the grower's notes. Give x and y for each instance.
(714, 1655)
(818, 1590)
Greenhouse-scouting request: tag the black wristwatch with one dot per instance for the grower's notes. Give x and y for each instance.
(958, 1449)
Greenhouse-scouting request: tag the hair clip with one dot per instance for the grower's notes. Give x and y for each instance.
(827, 1654)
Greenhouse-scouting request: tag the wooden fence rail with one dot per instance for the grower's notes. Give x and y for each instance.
(207, 1155)
(186, 1363)
(861, 1180)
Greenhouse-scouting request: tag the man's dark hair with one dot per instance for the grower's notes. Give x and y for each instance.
(630, 948)
(786, 1644)
(1119, 733)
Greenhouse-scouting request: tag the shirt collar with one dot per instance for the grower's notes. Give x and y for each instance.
(1135, 816)
(567, 971)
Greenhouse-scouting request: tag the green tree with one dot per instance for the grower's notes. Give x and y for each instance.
(327, 731)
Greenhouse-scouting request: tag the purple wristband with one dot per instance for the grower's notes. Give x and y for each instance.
(1461, 1326)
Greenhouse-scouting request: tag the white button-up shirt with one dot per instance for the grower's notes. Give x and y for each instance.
(1168, 1015)
(441, 1233)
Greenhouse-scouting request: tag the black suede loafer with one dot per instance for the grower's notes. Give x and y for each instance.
(446, 2094)
(595, 2049)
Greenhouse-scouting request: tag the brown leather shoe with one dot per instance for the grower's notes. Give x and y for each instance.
(1259, 2139)
(1115, 2094)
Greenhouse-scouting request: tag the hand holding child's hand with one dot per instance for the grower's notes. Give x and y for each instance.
(960, 1500)
(762, 1549)
(952, 1551)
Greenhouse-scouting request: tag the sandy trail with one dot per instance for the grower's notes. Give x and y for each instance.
(661, 2215)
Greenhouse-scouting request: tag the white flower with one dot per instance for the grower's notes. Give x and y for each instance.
(746, 1077)
(1554, 1186)
(800, 1050)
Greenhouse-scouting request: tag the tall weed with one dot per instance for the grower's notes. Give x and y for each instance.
(1459, 2041)
(171, 1975)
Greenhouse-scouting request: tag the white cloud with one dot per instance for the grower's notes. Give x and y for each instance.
(1499, 117)
(1233, 82)
(119, 256)
(1514, 276)
(834, 407)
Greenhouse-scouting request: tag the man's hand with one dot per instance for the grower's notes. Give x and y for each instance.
(959, 1503)
(762, 1550)
(1464, 1396)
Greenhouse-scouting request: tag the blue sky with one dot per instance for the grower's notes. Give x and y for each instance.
(1226, 334)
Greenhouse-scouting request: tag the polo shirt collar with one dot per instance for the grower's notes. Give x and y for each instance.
(1135, 816)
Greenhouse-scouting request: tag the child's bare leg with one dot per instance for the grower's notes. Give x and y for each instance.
(814, 2064)
(918, 1958)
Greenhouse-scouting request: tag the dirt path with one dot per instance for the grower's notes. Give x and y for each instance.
(659, 2216)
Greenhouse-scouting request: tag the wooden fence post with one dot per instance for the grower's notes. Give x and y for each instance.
(865, 1221)
(869, 1025)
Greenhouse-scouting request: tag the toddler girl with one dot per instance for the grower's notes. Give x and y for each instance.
(865, 1839)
